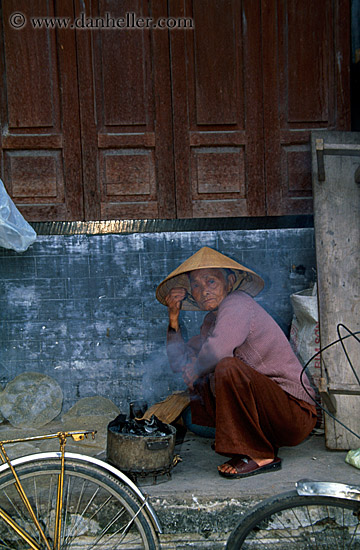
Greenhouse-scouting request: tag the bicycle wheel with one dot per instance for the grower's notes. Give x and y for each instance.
(99, 511)
(306, 521)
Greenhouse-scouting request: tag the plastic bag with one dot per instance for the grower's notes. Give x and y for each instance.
(353, 458)
(305, 338)
(304, 333)
(15, 232)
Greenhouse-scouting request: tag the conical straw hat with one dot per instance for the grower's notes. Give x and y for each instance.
(207, 258)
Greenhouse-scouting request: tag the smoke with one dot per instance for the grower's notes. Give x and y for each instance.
(159, 380)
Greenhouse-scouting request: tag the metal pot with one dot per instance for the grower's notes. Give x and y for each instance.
(141, 454)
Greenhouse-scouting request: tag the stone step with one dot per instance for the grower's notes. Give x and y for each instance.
(191, 522)
(215, 541)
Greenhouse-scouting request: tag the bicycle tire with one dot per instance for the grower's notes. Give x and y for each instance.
(99, 511)
(307, 521)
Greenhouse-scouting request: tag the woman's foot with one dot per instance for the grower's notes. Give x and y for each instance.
(243, 466)
(230, 469)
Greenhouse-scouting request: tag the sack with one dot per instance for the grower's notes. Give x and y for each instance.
(15, 232)
(305, 338)
(304, 333)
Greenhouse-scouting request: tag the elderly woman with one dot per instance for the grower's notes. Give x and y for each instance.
(242, 374)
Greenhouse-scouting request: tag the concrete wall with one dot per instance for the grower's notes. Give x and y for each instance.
(82, 308)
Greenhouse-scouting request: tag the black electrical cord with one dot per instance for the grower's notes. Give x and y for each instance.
(344, 349)
(340, 339)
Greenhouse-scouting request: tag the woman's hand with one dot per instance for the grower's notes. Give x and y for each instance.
(190, 375)
(173, 301)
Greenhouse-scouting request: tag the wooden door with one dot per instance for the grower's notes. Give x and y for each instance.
(86, 114)
(217, 109)
(306, 87)
(211, 121)
(40, 137)
(125, 112)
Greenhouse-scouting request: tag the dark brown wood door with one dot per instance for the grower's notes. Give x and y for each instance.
(86, 114)
(212, 121)
(249, 84)
(306, 87)
(40, 130)
(125, 112)
(218, 109)
(171, 121)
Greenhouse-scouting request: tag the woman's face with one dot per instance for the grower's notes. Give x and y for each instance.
(209, 287)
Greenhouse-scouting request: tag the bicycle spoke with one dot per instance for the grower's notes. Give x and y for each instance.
(70, 533)
(335, 541)
(20, 514)
(108, 527)
(319, 523)
(356, 529)
(79, 516)
(99, 512)
(67, 492)
(5, 546)
(49, 507)
(305, 526)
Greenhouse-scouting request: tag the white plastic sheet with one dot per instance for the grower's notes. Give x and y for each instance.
(353, 458)
(304, 334)
(15, 232)
(305, 337)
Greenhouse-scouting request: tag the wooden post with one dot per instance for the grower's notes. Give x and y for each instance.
(337, 235)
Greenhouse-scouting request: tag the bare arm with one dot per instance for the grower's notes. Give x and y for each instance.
(173, 301)
(182, 356)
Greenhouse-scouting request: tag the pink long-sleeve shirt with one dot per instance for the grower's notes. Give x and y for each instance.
(241, 328)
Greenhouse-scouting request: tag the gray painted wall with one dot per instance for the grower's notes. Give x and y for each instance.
(82, 308)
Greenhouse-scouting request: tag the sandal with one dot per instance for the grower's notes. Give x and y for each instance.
(246, 467)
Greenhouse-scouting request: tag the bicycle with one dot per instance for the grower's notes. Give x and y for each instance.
(62, 500)
(317, 514)
(321, 515)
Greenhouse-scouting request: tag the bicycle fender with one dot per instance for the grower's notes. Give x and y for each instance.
(307, 487)
(96, 462)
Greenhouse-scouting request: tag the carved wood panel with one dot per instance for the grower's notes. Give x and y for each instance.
(217, 103)
(126, 117)
(306, 87)
(40, 137)
(212, 121)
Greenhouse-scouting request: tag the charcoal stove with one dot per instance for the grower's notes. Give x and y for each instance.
(142, 453)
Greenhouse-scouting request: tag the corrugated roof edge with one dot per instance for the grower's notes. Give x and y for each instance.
(159, 225)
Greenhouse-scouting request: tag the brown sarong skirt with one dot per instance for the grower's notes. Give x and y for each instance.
(252, 414)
